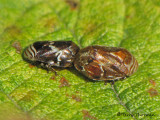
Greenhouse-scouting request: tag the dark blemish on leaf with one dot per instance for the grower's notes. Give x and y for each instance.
(72, 3)
(64, 82)
(87, 115)
(76, 98)
(67, 94)
(17, 46)
(152, 82)
(52, 77)
(153, 92)
(13, 30)
(31, 66)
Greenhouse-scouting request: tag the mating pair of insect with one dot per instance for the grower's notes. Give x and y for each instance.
(95, 62)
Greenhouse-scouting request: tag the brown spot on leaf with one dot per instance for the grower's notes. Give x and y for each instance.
(86, 115)
(17, 46)
(67, 94)
(72, 3)
(13, 30)
(64, 82)
(153, 92)
(31, 66)
(152, 82)
(52, 77)
(76, 98)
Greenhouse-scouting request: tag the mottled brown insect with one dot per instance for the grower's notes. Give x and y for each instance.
(105, 63)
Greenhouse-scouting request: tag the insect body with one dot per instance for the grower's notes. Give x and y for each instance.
(52, 53)
(105, 63)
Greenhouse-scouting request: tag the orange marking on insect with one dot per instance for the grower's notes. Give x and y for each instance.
(93, 70)
(121, 55)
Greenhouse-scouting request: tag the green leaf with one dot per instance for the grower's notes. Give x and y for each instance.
(28, 92)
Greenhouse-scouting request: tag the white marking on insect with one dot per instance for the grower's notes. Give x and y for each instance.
(117, 56)
(51, 62)
(109, 76)
(101, 67)
(51, 42)
(58, 63)
(69, 60)
(59, 54)
(42, 64)
(34, 50)
(54, 49)
(66, 51)
(70, 49)
(31, 51)
(83, 69)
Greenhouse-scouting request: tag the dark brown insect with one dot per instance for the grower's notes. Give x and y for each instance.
(52, 53)
(105, 63)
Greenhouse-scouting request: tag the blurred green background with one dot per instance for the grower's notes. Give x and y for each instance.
(29, 93)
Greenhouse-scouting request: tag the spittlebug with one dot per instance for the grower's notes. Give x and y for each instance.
(52, 53)
(105, 63)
